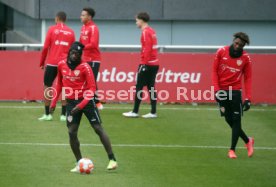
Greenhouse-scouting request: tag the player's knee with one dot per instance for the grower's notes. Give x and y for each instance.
(229, 121)
(236, 118)
(72, 133)
(237, 123)
(98, 129)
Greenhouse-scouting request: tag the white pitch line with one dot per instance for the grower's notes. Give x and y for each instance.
(136, 145)
(22, 107)
(143, 108)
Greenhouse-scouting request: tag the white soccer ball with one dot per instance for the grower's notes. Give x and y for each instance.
(86, 165)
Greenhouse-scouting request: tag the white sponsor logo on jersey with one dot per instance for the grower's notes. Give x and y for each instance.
(65, 32)
(64, 43)
(57, 42)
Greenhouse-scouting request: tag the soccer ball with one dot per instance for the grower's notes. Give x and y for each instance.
(85, 165)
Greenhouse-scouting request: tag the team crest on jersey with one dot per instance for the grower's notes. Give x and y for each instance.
(239, 62)
(222, 109)
(77, 72)
(56, 31)
(69, 118)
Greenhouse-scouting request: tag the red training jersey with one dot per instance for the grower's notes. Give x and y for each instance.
(58, 40)
(77, 84)
(89, 37)
(228, 71)
(149, 47)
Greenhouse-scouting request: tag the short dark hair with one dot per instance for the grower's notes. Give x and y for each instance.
(61, 16)
(243, 36)
(143, 16)
(90, 11)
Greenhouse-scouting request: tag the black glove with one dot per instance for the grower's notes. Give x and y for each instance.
(246, 105)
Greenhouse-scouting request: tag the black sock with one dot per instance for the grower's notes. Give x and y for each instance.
(244, 136)
(153, 102)
(63, 110)
(111, 157)
(47, 110)
(236, 129)
(136, 103)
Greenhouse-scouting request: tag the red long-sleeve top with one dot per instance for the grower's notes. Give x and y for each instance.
(228, 71)
(149, 47)
(89, 37)
(77, 84)
(57, 43)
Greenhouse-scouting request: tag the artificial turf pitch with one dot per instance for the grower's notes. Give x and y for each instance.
(185, 146)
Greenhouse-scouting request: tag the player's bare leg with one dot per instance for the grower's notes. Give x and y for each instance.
(107, 145)
(74, 141)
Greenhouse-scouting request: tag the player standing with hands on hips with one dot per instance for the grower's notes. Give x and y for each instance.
(90, 37)
(232, 65)
(78, 81)
(148, 67)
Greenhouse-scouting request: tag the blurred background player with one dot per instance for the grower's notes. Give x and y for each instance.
(89, 37)
(148, 67)
(231, 65)
(80, 86)
(56, 46)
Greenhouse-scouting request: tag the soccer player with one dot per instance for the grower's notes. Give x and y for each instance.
(58, 40)
(148, 67)
(89, 37)
(232, 65)
(78, 82)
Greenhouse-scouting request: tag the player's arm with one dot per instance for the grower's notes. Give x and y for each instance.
(45, 48)
(215, 78)
(247, 84)
(248, 79)
(94, 38)
(147, 46)
(91, 85)
(58, 90)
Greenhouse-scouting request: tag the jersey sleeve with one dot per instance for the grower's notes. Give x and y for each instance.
(46, 46)
(248, 78)
(147, 46)
(215, 78)
(58, 88)
(94, 38)
(91, 85)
